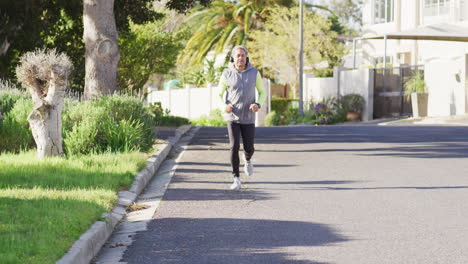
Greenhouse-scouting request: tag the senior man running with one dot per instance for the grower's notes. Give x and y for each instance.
(238, 85)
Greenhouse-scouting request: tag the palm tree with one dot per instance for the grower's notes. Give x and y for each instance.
(224, 24)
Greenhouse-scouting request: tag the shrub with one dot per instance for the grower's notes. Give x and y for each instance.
(15, 134)
(415, 84)
(169, 120)
(81, 139)
(328, 111)
(14, 137)
(20, 111)
(8, 99)
(280, 105)
(272, 119)
(162, 117)
(111, 123)
(353, 103)
(215, 118)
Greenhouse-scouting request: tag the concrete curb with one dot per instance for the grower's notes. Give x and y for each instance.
(89, 243)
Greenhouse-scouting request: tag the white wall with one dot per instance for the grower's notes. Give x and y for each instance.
(189, 102)
(350, 81)
(361, 82)
(317, 89)
(196, 102)
(412, 16)
(445, 79)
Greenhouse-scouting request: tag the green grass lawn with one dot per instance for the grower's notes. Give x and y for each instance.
(45, 205)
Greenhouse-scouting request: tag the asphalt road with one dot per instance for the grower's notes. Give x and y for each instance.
(327, 194)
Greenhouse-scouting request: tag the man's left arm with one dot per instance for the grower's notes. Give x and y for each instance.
(260, 91)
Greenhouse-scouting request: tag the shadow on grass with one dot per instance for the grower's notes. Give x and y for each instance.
(42, 230)
(223, 240)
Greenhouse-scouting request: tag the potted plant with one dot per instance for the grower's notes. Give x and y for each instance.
(353, 105)
(415, 88)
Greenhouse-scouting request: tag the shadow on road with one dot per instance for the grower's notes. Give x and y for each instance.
(222, 240)
(425, 141)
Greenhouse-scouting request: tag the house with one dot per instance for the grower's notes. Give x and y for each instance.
(429, 33)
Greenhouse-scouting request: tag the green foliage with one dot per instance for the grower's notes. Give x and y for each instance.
(15, 134)
(162, 117)
(8, 98)
(170, 120)
(223, 24)
(215, 118)
(349, 13)
(200, 76)
(353, 103)
(290, 116)
(415, 84)
(124, 135)
(112, 123)
(57, 24)
(145, 50)
(328, 111)
(82, 138)
(14, 137)
(274, 47)
(280, 105)
(272, 119)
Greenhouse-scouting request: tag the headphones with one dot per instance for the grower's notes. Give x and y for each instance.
(246, 61)
(236, 47)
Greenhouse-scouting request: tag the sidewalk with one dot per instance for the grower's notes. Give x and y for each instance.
(459, 120)
(89, 243)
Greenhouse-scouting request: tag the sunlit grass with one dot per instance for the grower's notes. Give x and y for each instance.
(45, 205)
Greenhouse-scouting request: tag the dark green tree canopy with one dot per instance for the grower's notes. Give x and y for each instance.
(29, 24)
(183, 6)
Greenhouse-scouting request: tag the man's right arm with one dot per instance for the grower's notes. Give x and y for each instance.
(223, 85)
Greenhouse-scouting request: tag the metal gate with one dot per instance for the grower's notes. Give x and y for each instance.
(389, 95)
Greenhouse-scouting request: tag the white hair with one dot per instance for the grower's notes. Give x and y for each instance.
(239, 47)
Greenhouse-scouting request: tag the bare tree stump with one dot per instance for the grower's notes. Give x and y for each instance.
(46, 77)
(102, 50)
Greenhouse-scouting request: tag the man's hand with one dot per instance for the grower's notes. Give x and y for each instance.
(254, 108)
(229, 108)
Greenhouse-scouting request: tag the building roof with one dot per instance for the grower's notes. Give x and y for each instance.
(445, 32)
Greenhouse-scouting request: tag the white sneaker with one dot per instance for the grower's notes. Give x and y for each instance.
(248, 167)
(236, 185)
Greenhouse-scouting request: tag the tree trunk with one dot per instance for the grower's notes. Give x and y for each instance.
(45, 74)
(46, 118)
(102, 51)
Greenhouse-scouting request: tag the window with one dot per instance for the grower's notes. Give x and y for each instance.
(379, 61)
(436, 7)
(383, 11)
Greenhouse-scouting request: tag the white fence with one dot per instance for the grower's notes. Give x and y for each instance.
(193, 102)
(189, 102)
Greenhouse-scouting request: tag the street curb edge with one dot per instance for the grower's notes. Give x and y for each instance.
(89, 243)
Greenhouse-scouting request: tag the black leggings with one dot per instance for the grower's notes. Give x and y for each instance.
(247, 131)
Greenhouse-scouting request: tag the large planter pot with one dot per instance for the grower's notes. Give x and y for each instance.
(353, 116)
(419, 104)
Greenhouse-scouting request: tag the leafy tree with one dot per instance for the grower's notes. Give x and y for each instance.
(145, 50)
(29, 24)
(224, 24)
(275, 48)
(348, 12)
